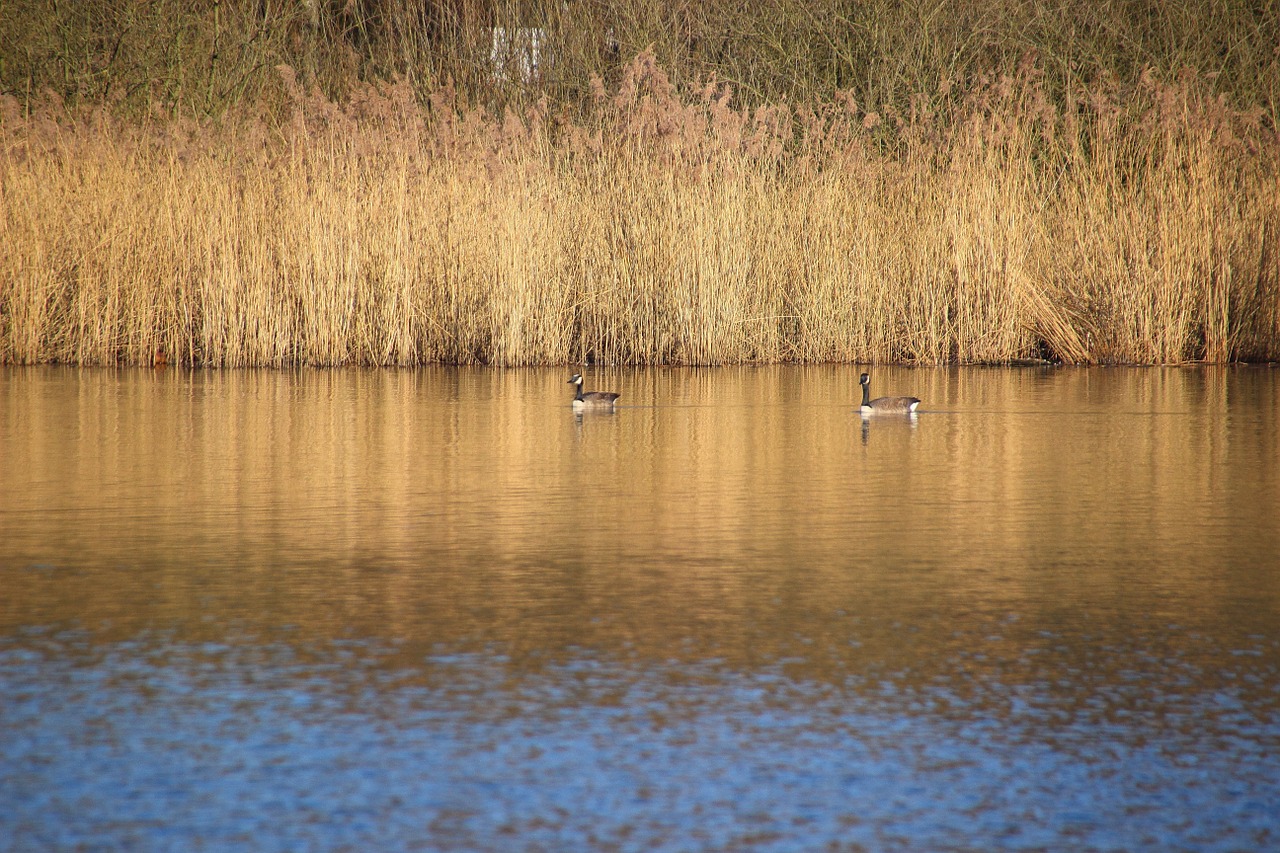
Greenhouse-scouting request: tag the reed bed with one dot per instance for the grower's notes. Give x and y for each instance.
(661, 226)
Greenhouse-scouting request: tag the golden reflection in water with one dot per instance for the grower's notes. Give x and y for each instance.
(746, 514)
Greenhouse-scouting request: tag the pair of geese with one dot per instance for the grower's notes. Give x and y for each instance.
(604, 400)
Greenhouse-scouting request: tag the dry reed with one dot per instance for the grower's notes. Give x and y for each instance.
(1135, 225)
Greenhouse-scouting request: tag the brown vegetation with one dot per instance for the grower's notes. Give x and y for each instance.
(1116, 223)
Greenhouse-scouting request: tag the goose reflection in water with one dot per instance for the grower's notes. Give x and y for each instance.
(884, 422)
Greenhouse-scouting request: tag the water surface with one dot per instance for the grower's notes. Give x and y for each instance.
(436, 609)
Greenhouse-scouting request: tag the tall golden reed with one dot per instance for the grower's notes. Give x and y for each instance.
(1136, 227)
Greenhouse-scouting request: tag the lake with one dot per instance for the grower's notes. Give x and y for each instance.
(436, 609)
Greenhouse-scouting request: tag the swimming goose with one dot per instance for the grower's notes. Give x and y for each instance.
(884, 405)
(591, 399)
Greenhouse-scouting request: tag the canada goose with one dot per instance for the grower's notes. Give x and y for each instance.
(591, 399)
(884, 405)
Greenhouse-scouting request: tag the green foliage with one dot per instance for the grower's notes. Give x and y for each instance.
(203, 57)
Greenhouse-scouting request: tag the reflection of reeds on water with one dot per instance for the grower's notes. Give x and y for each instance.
(459, 507)
(660, 229)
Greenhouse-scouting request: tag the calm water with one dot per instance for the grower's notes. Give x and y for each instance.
(435, 610)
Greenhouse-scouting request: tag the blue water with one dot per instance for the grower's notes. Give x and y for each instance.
(158, 745)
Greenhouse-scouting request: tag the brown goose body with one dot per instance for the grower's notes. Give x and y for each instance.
(599, 400)
(884, 405)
